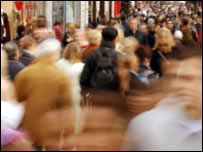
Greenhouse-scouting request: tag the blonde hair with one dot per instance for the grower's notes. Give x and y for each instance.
(94, 37)
(120, 39)
(129, 44)
(164, 40)
(70, 25)
(126, 63)
(72, 53)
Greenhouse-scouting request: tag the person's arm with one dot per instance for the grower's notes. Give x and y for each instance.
(87, 71)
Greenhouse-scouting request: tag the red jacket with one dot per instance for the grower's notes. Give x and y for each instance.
(58, 29)
(200, 36)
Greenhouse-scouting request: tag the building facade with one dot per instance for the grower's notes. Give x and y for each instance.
(79, 12)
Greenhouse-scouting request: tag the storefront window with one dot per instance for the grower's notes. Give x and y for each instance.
(70, 11)
(58, 18)
(20, 13)
(63, 12)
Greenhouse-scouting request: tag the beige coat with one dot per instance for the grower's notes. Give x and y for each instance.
(48, 106)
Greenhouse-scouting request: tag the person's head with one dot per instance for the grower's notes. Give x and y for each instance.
(29, 44)
(133, 24)
(188, 79)
(163, 23)
(80, 37)
(178, 35)
(21, 31)
(126, 63)
(123, 17)
(41, 21)
(50, 47)
(129, 44)
(94, 37)
(70, 27)
(144, 54)
(151, 21)
(40, 34)
(143, 28)
(184, 22)
(177, 20)
(12, 51)
(150, 28)
(170, 25)
(157, 28)
(164, 40)
(110, 34)
(72, 53)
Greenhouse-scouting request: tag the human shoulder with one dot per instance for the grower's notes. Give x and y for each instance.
(93, 55)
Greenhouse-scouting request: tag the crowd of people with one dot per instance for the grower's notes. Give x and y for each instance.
(131, 83)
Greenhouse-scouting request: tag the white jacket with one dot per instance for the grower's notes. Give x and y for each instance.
(11, 114)
(165, 128)
(73, 73)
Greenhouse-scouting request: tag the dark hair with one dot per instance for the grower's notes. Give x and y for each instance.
(20, 30)
(41, 21)
(42, 17)
(143, 52)
(90, 26)
(123, 17)
(185, 21)
(11, 49)
(163, 21)
(109, 33)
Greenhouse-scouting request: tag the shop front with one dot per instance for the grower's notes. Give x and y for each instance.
(15, 13)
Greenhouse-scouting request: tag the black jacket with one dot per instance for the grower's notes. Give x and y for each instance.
(91, 62)
(139, 35)
(151, 39)
(14, 68)
(26, 58)
(156, 60)
(64, 40)
(126, 26)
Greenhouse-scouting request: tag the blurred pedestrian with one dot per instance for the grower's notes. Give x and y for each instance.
(14, 66)
(30, 50)
(135, 32)
(100, 66)
(94, 39)
(164, 44)
(48, 111)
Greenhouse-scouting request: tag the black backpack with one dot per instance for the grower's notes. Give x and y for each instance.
(105, 73)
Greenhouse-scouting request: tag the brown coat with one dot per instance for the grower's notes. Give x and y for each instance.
(47, 97)
(88, 50)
